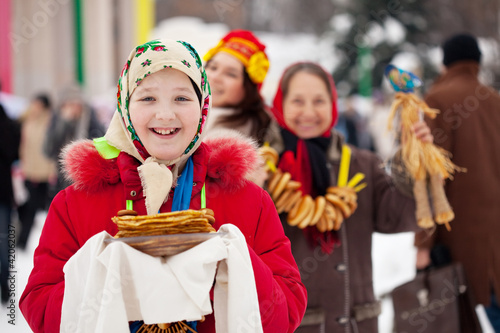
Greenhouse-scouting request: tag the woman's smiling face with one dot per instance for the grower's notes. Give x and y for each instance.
(165, 113)
(225, 74)
(307, 106)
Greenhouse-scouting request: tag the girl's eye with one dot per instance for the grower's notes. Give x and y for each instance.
(147, 99)
(181, 99)
(319, 101)
(297, 101)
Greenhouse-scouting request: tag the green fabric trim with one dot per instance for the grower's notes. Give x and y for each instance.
(79, 41)
(203, 197)
(104, 149)
(130, 205)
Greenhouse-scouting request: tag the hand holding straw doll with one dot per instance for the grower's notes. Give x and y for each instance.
(423, 160)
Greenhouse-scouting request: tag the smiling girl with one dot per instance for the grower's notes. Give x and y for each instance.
(153, 159)
(162, 110)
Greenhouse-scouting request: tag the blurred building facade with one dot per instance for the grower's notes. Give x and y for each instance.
(47, 44)
(55, 43)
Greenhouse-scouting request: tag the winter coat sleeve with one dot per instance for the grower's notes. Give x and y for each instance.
(442, 125)
(394, 211)
(425, 239)
(400, 175)
(42, 298)
(282, 296)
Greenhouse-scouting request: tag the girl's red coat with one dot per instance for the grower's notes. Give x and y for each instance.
(101, 188)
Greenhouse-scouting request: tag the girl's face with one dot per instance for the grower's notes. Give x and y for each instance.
(307, 107)
(165, 113)
(225, 74)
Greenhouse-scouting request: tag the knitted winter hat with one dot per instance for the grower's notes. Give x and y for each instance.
(461, 47)
(157, 176)
(248, 49)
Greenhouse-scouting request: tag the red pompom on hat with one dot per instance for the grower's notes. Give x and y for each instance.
(243, 45)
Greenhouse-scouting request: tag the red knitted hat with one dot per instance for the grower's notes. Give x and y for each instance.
(243, 45)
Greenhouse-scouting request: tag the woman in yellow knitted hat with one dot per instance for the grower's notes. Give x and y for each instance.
(236, 68)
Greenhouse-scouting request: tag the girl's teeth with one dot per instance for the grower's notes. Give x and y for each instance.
(164, 131)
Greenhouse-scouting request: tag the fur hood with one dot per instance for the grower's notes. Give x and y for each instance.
(232, 158)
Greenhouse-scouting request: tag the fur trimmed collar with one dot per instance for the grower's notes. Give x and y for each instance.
(232, 158)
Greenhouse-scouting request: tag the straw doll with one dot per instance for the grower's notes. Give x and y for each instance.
(427, 164)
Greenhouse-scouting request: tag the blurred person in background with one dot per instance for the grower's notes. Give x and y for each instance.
(354, 126)
(336, 265)
(38, 170)
(74, 120)
(384, 142)
(236, 68)
(9, 148)
(347, 123)
(468, 127)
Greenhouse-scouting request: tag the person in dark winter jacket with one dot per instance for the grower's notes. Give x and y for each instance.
(9, 148)
(38, 170)
(468, 127)
(74, 120)
(335, 266)
(153, 159)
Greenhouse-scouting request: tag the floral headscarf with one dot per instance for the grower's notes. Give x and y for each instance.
(157, 176)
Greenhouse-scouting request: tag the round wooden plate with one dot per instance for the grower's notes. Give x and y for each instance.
(165, 245)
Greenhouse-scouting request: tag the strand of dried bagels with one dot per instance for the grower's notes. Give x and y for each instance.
(325, 212)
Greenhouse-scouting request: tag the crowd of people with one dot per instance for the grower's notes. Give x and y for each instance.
(33, 143)
(186, 134)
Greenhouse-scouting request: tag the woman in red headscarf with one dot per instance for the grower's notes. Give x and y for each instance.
(336, 265)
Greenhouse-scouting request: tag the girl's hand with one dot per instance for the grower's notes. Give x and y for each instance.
(422, 132)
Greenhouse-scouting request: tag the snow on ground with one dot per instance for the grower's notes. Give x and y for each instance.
(12, 320)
